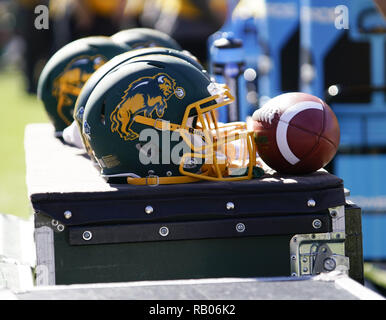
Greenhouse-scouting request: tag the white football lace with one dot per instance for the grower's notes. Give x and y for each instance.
(266, 114)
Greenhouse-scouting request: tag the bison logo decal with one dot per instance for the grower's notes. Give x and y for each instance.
(146, 96)
(68, 84)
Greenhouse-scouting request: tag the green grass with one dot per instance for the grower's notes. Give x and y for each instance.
(17, 109)
(375, 274)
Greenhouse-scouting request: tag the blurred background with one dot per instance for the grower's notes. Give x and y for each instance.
(24, 50)
(334, 49)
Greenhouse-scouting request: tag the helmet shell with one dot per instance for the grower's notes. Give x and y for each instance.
(122, 59)
(137, 38)
(159, 86)
(117, 62)
(67, 71)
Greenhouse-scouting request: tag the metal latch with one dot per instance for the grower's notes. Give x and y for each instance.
(314, 253)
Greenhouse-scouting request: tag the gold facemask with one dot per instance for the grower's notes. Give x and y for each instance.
(227, 151)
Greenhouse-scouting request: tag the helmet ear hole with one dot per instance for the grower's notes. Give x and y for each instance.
(157, 65)
(102, 115)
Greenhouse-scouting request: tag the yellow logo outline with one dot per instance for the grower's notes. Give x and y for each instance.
(143, 103)
(70, 82)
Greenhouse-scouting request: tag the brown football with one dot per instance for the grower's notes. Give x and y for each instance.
(296, 133)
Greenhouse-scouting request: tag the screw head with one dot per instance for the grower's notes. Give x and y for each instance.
(230, 205)
(311, 203)
(54, 222)
(164, 231)
(60, 227)
(67, 214)
(87, 235)
(333, 213)
(149, 209)
(316, 223)
(240, 227)
(329, 264)
(293, 257)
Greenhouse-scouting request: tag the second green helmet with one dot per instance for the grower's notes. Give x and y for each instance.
(67, 71)
(137, 38)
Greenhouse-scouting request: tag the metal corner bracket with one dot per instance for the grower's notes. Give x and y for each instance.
(314, 253)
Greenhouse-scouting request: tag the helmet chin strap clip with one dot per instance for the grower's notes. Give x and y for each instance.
(150, 182)
(153, 180)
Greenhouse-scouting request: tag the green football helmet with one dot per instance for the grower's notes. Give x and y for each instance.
(153, 121)
(115, 63)
(137, 38)
(66, 72)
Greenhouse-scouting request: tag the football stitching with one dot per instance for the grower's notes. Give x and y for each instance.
(324, 111)
(313, 148)
(309, 154)
(282, 127)
(324, 127)
(267, 114)
(269, 117)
